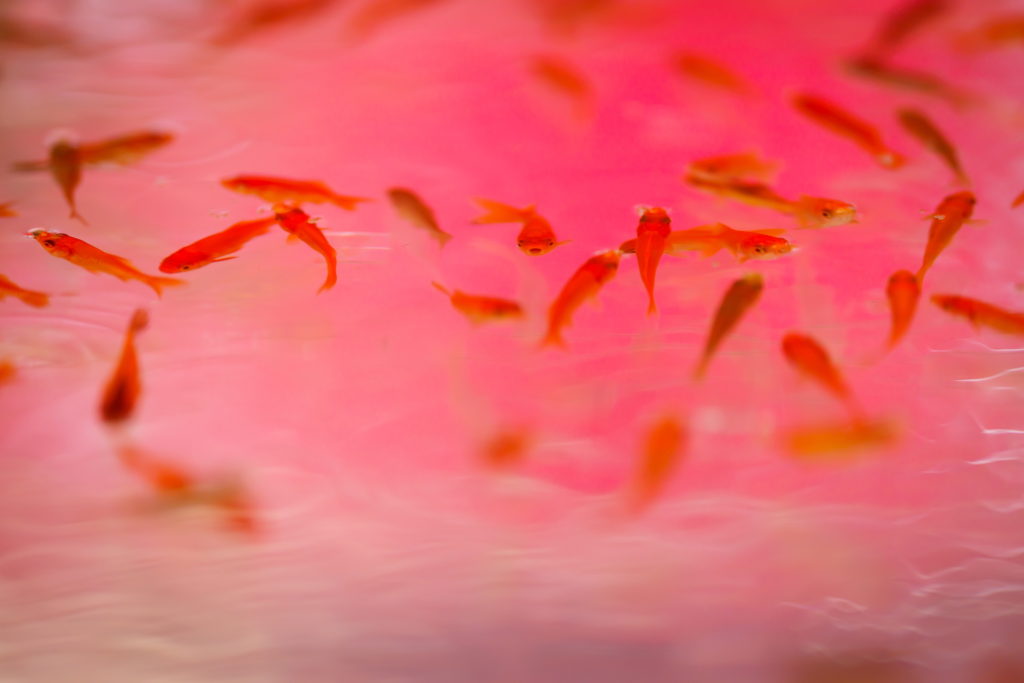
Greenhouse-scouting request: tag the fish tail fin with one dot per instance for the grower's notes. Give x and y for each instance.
(330, 281)
(77, 216)
(139, 321)
(710, 249)
(701, 369)
(496, 212)
(554, 338)
(443, 237)
(652, 308)
(441, 288)
(346, 202)
(158, 283)
(37, 299)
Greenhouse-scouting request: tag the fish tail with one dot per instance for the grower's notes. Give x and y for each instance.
(158, 283)
(346, 202)
(701, 369)
(37, 299)
(139, 321)
(554, 338)
(496, 212)
(443, 237)
(441, 288)
(332, 279)
(77, 216)
(651, 307)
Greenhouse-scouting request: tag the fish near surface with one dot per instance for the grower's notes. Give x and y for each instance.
(710, 239)
(26, 296)
(810, 358)
(903, 293)
(121, 392)
(216, 247)
(982, 314)
(810, 212)
(952, 212)
(411, 208)
(536, 237)
(738, 299)
(584, 284)
(841, 122)
(651, 235)
(295, 221)
(287, 190)
(481, 309)
(918, 124)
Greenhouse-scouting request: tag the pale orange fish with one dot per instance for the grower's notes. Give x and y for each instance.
(1017, 201)
(6, 211)
(732, 167)
(295, 221)
(998, 32)
(951, 214)
(124, 149)
(924, 129)
(738, 299)
(843, 123)
(536, 237)
(506, 447)
(566, 78)
(7, 371)
(267, 15)
(413, 209)
(163, 477)
(121, 392)
(810, 212)
(811, 359)
(981, 314)
(95, 260)
(904, 21)
(584, 284)
(295, 191)
(481, 309)
(216, 247)
(66, 167)
(709, 71)
(378, 13)
(710, 239)
(662, 450)
(833, 439)
(27, 296)
(912, 80)
(903, 292)
(651, 235)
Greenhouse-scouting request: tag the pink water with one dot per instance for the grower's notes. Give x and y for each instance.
(388, 552)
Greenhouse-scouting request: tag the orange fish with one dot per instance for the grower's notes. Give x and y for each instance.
(121, 392)
(710, 72)
(951, 214)
(584, 284)
(738, 299)
(835, 438)
(216, 247)
(651, 234)
(7, 371)
(536, 236)
(662, 451)
(906, 20)
(27, 296)
(413, 209)
(163, 477)
(811, 359)
(66, 167)
(267, 15)
(285, 190)
(903, 293)
(6, 211)
(924, 129)
(884, 73)
(95, 260)
(710, 239)
(845, 124)
(481, 309)
(296, 222)
(981, 314)
(124, 149)
(810, 212)
(1017, 201)
(377, 13)
(564, 77)
(996, 32)
(505, 448)
(732, 167)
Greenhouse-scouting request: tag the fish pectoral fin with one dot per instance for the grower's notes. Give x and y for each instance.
(223, 258)
(292, 237)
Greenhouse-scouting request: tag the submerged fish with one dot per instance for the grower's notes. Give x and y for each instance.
(811, 359)
(710, 239)
(378, 13)
(903, 292)
(95, 260)
(413, 209)
(565, 78)
(124, 149)
(294, 191)
(662, 450)
(216, 247)
(66, 167)
(27, 296)
(584, 284)
(7, 371)
(121, 392)
(997, 32)
(949, 217)
(810, 212)
(709, 71)
(506, 447)
(481, 309)
(904, 21)
(732, 167)
(843, 123)
(6, 211)
(1018, 200)
(267, 15)
(924, 129)
(981, 314)
(295, 221)
(651, 236)
(738, 299)
(840, 438)
(536, 237)
(912, 80)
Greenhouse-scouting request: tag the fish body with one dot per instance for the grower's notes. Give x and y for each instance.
(738, 299)
(732, 167)
(906, 20)
(982, 314)
(410, 207)
(663, 447)
(379, 13)
(481, 309)
(584, 284)
(121, 392)
(949, 217)
(1017, 201)
(216, 247)
(924, 129)
(96, 260)
(266, 16)
(903, 293)
(65, 165)
(124, 149)
(27, 296)
(912, 80)
(809, 358)
(709, 72)
(841, 122)
(997, 32)
(710, 239)
(651, 235)
(7, 371)
(565, 78)
(6, 211)
(295, 221)
(294, 191)
(536, 237)
(506, 447)
(749, 192)
(839, 438)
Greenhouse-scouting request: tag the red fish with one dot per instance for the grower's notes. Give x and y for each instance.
(121, 392)
(811, 359)
(96, 260)
(295, 191)
(981, 314)
(584, 284)
(413, 209)
(216, 247)
(906, 20)
(481, 309)
(7, 371)
(834, 439)
(124, 150)
(910, 80)
(651, 235)
(997, 32)
(662, 451)
(810, 212)
(1017, 201)
(506, 447)
(841, 122)
(924, 129)
(536, 237)
(949, 217)
(710, 72)
(710, 239)
(267, 15)
(377, 13)
(66, 166)
(738, 299)
(27, 296)
(903, 293)
(296, 222)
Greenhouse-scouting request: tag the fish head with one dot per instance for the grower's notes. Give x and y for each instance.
(537, 246)
(828, 213)
(604, 264)
(184, 259)
(52, 242)
(764, 247)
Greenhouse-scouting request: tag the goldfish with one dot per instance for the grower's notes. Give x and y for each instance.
(710, 239)
(377, 13)
(124, 149)
(6, 211)
(95, 260)
(121, 392)
(810, 212)
(742, 294)
(481, 309)
(163, 477)
(996, 32)
(27, 296)
(216, 247)
(951, 214)
(732, 167)
(903, 293)
(906, 20)
(811, 359)
(708, 71)
(413, 209)
(981, 314)
(267, 15)
(912, 80)
(7, 371)
(506, 447)
(536, 237)
(842, 122)
(285, 190)
(66, 167)
(584, 284)
(296, 222)
(662, 449)
(651, 234)
(924, 129)
(564, 77)
(1017, 201)
(834, 438)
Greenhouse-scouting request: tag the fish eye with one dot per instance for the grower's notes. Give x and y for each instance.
(826, 213)
(185, 267)
(520, 243)
(551, 243)
(49, 243)
(760, 248)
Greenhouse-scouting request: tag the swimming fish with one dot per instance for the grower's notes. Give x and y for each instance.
(6, 211)
(809, 358)
(121, 392)
(285, 190)
(912, 80)
(295, 221)
(903, 293)
(7, 371)
(27, 296)
(565, 78)
(951, 214)
(506, 447)
(904, 21)
(163, 477)
(584, 284)
(710, 239)
(843, 123)
(267, 15)
(924, 129)
(996, 32)
(738, 299)
(663, 447)
(709, 71)
(732, 167)
(96, 260)
(536, 237)
(651, 234)
(981, 314)
(413, 209)
(124, 149)
(1017, 201)
(481, 309)
(839, 438)
(66, 167)
(377, 13)
(810, 212)
(216, 247)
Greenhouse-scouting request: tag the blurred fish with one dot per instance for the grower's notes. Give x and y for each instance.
(121, 392)
(912, 80)
(7, 371)
(997, 32)
(738, 299)
(6, 211)
(95, 260)
(903, 293)
(268, 15)
(481, 309)
(834, 438)
(32, 35)
(536, 236)
(66, 167)
(651, 235)
(809, 358)
(663, 447)
(584, 284)
(981, 314)
(709, 71)
(810, 212)
(904, 21)
(506, 447)
(951, 214)
(124, 150)
(216, 247)
(413, 209)
(163, 477)
(710, 239)
(732, 167)
(924, 129)
(285, 190)
(565, 78)
(845, 124)
(1017, 201)
(27, 296)
(295, 221)
(378, 13)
